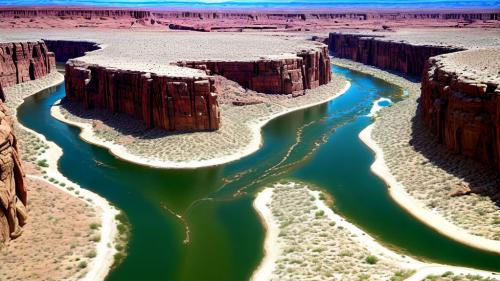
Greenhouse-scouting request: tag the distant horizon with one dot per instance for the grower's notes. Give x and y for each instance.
(260, 4)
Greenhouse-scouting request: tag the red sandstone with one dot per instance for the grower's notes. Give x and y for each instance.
(170, 103)
(390, 55)
(463, 114)
(274, 76)
(206, 20)
(24, 61)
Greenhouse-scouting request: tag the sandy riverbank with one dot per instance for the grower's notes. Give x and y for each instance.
(427, 181)
(97, 264)
(306, 239)
(239, 136)
(416, 208)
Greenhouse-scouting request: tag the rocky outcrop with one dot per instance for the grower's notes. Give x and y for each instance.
(170, 103)
(24, 61)
(67, 49)
(293, 75)
(462, 111)
(13, 192)
(389, 55)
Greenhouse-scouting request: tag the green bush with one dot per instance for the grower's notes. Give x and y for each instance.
(371, 259)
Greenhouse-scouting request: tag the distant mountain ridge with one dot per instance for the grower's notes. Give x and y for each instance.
(379, 4)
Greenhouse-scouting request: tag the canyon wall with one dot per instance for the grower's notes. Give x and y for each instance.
(274, 76)
(388, 55)
(24, 61)
(149, 15)
(463, 113)
(170, 103)
(13, 192)
(66, 49)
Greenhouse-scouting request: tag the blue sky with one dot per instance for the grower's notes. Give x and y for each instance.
(262, 3)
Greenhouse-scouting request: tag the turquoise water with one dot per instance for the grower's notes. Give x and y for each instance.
(279, 4)
(225, 235)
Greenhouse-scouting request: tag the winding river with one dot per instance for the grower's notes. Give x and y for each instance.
(224, 240)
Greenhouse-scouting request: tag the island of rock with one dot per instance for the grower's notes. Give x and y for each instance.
(189, 103)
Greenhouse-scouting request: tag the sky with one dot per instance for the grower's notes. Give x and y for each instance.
(451, 4)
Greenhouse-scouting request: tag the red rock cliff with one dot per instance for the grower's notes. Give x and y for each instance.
(170, 103)
(24, 61)
(389, 55)
(13, 191)
(462, 112)
(254, 15)
(274, 76)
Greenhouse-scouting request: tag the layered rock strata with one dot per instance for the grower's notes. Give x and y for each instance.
(460, 103)
(161, 101)
(308, 70)
(69, 49)
(151, 15)
(390, 55)
(24, 61)
(13, 192)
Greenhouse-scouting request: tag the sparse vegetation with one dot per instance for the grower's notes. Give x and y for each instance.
(402, 275)
(123, 226)
(42, 163)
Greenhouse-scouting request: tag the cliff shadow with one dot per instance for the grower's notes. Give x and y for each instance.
(477, 177)
(126, 125)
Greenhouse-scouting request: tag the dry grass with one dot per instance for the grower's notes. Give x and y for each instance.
(57, 241)
(314, 247)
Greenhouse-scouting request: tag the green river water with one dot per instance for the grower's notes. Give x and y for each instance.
(226, 236)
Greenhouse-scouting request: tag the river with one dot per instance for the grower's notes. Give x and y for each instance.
(318, 145)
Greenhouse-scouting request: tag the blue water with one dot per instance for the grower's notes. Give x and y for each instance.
(384, 103)
(278, 4)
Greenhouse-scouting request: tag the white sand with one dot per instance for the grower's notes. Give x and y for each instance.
(101, 264)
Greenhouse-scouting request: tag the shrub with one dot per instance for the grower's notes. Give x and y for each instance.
(91, 254)
(82, 264)
(371, 259)
(320, 213)
(42, 163)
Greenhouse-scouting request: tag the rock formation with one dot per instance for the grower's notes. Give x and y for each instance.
(274, 76)
(170, 103)
(67, 49)
(462, 108)
(389, 55)
(24, 61)
(156, 15)
(13, 194)
(216, 20)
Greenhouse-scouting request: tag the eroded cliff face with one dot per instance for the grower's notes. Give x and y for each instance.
(170, 103)
(24, 61)
(274, 76)
(67, 49)
(13, 192)
(255, 16)
(389, 55)
(463, 112)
